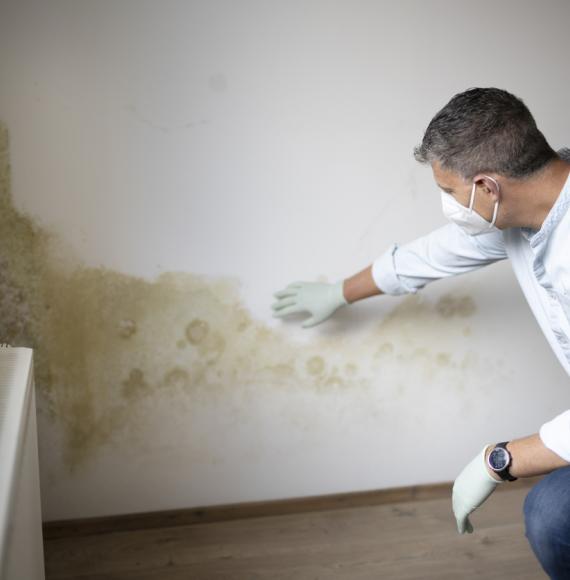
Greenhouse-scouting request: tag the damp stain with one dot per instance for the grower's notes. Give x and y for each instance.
(443, 359)
(197, 331)
(108, 346)
(315, 365)
(177, 378)
(127, 328)
(134, 385)
(450, 305)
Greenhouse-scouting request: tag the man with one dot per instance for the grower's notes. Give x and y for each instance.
(506, 193)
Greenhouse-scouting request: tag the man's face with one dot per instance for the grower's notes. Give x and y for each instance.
(453, 183)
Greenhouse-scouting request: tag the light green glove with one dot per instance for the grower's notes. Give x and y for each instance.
(471, 488)
(320, 300)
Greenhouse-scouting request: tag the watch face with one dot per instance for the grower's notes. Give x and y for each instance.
(498, 458)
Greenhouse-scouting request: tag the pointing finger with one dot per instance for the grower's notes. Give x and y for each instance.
(283, 303)
(286, 292)
(287, 310)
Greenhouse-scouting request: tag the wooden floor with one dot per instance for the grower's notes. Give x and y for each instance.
(398, 541)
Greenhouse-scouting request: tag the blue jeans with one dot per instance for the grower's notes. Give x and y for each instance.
(547, 522)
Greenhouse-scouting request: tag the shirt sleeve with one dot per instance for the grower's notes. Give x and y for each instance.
(447, 251)
(555, 434)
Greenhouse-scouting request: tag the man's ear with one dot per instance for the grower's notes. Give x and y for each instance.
(488, 185)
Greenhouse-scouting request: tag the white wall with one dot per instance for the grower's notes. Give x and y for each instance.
(265, 142)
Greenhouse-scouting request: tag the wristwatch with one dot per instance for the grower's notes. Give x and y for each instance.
(499, 460)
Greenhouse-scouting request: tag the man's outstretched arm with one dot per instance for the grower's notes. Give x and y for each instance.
(360, 286)
(447, 251)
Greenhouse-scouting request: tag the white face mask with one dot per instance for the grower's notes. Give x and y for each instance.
(466, 217)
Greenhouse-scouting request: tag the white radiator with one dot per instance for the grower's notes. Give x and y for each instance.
(21, 540)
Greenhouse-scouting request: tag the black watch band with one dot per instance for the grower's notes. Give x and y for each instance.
(504, 473)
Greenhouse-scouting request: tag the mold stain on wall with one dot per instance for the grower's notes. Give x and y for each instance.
(106, 342)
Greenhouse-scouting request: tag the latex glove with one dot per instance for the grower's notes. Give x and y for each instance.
(319, 299)
(471, 488)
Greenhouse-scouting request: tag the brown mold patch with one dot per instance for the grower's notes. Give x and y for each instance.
(413, 334)
(108, 344)
(177, 378)
(449, 306)
(443, 359)
(315, 365)
(127, 328)
(135, 386)
(197, 331)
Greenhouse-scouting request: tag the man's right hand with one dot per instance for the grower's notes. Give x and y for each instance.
(319, 299)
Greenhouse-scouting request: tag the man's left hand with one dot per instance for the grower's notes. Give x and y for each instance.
(471, 488)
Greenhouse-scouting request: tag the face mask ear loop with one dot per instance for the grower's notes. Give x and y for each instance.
(495, 211)
(472, 199)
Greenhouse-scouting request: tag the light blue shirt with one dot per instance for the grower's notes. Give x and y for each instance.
(540, 260)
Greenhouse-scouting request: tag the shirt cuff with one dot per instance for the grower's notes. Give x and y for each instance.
(555, 434)
(384, 274)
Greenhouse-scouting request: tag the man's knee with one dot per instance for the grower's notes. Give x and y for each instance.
(546, 507)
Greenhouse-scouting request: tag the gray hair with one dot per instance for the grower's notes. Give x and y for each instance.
(485, 130)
